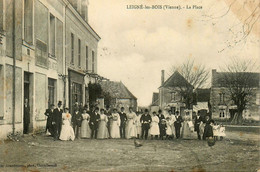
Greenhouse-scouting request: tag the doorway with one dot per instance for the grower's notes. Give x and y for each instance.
(26, 106)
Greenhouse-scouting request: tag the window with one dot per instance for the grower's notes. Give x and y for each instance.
(76, 93)
(52, 35)
(51, 91)
(173, 97)
(1, 15)
(79, 52)
(72, 48)
(87, 58)
(28, 9)
(93, 61)
(221, 98)
(41, 53)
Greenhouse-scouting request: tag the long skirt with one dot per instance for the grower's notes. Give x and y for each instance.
(208, 131)
(131, 129)
(85, 129)
(67, 132)
(154, 130)
(138, 130)
(186, 133)
(115, 132)
(102, 130)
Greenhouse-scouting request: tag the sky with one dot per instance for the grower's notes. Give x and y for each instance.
(137, 44)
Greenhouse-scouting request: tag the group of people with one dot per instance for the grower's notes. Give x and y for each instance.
(105, 123)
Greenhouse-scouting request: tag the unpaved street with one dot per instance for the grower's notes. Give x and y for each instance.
(41, 153)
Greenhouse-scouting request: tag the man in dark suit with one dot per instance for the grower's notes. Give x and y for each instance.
(177, 125)
(123, 119)
(26, 116)
(57, 120)
(161, 126)
(198, 120)
(145, 121)
(76, 121)
(93, 122)
(49, 114)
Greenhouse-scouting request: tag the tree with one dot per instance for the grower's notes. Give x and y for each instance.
(95, 91)
(246, 11)
(196, 76)
(240, 80)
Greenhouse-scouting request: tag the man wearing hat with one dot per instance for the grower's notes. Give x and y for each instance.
(145, 121)
(93, 123)
(57, 120)
(177, 125)
(49, 114)
(198, 121)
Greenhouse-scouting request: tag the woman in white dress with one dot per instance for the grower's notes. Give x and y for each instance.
(67, 132)
(102, 128)
(115, 124)
(138, 125)
(168, 128)
(131, 124)
(85, 129)
(154, 130)
(187, 127)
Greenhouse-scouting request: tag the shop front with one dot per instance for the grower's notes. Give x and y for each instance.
(76, 89)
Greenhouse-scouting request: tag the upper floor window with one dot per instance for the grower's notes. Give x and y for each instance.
(79, 52)
(87, 58)
(1, 15)
(72, 48)
(93, 61)
(52, 35)
(28, 18)
(221, 98)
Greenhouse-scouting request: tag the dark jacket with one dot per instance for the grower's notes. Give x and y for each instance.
(49, 114)
(123, 118)
(145, 119)
(94, 120)
(57, 116)
(198, 120)
(77, 118)
(161, 117)
(26, 114)
(178, 121)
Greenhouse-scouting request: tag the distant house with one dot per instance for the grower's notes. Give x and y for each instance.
(202, 101)
(155, 102)
(222, 105)
(170, 96)
(119, 94)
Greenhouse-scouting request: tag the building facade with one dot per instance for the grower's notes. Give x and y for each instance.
(223, 107)
(119, 94)
(48, 40)
(170, 96)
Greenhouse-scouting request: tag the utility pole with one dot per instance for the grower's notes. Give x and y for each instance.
(14, 66)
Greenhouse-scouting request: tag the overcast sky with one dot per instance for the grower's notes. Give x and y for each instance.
(137, 44)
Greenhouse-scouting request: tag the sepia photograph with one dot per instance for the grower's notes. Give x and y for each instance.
(130, 85)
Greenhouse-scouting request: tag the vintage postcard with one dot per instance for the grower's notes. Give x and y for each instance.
(130, 85)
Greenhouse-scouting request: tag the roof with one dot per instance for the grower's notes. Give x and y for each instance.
(203, 94)
(116, 90)
(219, 79)
(176, 80)
(155, 99)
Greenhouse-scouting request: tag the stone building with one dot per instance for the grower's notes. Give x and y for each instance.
(170, 94)
(120, 95)
(55, 52)
(222, 105)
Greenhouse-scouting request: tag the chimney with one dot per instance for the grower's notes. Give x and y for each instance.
(214, 77)
(162, 77)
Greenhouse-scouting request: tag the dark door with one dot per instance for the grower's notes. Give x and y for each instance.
(26, 98)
